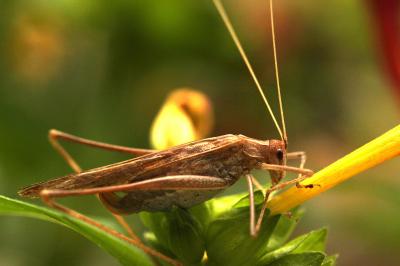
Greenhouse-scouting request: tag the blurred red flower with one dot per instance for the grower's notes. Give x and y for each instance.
(386, 18)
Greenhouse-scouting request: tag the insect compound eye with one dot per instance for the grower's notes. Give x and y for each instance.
(279, 154)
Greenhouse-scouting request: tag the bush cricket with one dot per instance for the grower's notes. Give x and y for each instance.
(183, 176)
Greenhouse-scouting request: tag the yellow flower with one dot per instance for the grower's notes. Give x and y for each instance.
(185, 116)
(371, 154)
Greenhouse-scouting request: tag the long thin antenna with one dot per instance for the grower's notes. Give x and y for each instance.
(229, 26)
(278, 86)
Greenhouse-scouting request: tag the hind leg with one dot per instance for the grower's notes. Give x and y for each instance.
(179, 182)
(47, 198)
(56, 135)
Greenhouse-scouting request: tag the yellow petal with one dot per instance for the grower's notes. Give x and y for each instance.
(171, 127)
(185, 116)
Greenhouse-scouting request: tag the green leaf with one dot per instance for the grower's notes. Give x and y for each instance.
(313, 241)
(244, 202)
(303, 259)
(185, 236)
(284, 228)
(202, 213)
(121, 250)
(222, 205)
(153, 242)
(330, 260)
(157, 223)
(178, 231)
(229, 241)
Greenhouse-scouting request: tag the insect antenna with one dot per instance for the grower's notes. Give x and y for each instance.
(228, 24)
(278, 86)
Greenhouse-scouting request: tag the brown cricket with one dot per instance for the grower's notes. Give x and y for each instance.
(182, 176)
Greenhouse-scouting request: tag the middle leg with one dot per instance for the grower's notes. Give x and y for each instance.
(303, 157)
(303, 174)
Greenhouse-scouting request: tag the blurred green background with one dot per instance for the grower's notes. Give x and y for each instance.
(101, 70)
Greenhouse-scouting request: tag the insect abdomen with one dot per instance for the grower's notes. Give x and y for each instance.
(154, 201)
